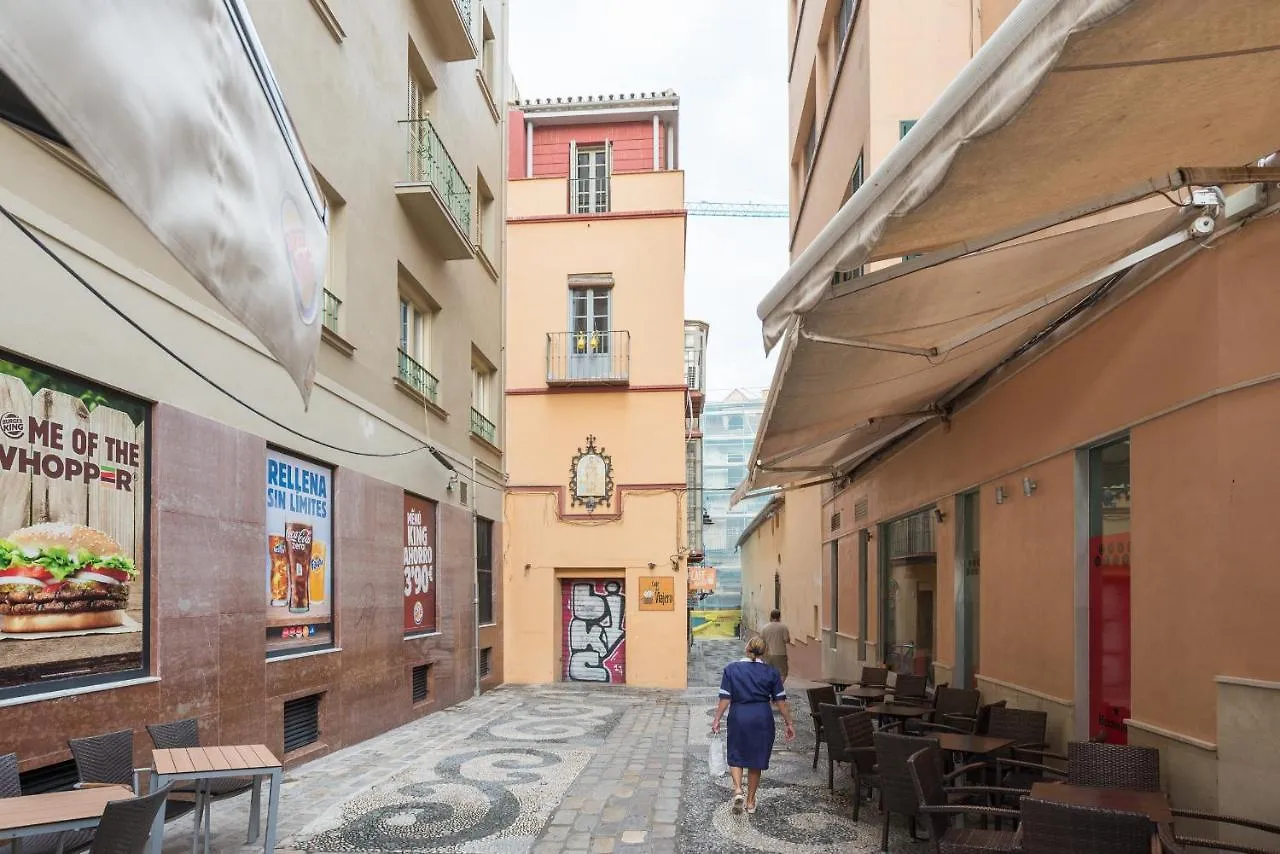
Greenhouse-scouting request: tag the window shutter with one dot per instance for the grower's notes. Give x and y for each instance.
(608, 157)
(573, 176)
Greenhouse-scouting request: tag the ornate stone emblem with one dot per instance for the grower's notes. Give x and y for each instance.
(591, 477)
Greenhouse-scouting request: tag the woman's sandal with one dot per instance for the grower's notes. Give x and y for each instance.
(751, 809)
(738, 800)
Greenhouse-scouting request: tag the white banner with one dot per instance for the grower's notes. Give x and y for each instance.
(173, 104)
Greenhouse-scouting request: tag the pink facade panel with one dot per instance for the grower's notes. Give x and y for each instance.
(632, 146)
(515, 145)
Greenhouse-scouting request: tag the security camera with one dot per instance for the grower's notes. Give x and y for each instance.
(1203, 226)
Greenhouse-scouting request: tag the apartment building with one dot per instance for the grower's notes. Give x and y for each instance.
(386, 493)
(1030, 391)
(597, 393)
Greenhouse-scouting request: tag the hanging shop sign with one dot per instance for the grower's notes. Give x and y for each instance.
(299, 566)
(702, 579)
(72, 531)
(419, 565)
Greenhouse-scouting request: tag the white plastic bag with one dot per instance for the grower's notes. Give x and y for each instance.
(717, 761)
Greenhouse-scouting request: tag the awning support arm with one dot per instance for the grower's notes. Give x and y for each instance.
(768, 465)
(865, 344)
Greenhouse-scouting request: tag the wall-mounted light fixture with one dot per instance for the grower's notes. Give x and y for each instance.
(1028, 486)
(652, 565)
(1000, 495)
(938, 515)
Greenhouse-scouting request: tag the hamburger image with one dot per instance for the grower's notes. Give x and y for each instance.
(56, 577)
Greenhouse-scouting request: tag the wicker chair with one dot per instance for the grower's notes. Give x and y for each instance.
(1113, 766)
(817, 697)
(908, 688)
(969, 724)
(947, 703)
(897, 791)
(46, 843)
(938, 809)
(126, 824)
(837, 748)
(861, 749)
(1181, 841)
(874, 677)
(108, 759)
(1052, 828)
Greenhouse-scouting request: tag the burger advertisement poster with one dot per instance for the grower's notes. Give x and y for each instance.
(299, 554)
(72, 528)
(419, 565)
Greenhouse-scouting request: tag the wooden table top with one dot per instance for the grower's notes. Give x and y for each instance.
(965, 743)
(898, 710)
(198, 760)
(54, 807)
(1155, 805)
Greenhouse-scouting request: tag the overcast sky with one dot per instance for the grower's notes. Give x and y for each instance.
(727, 61)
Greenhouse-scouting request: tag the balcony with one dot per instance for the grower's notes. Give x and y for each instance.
(418, 379)
(483, 428)
(434, 193)
(589, 358)
(589, 195)
(451, 27)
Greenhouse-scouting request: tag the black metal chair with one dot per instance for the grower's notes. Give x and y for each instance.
(46, 843)
(1052, 828)
(126, 825)
(837, 749)
(186, 733)
(817, 697)
(937, 807)
(860, 748)
(108, 759)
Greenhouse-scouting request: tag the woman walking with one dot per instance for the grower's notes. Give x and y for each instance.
(751, 687)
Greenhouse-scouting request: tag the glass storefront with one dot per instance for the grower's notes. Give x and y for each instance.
(1109, 612)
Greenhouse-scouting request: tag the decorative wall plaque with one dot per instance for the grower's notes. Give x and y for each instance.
(591, 477)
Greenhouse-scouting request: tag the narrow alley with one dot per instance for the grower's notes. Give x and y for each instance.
(558, 768)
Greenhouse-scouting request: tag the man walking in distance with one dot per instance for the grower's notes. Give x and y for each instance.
(776, 639)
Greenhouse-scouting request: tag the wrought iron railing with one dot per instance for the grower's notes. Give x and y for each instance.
(428, 162)
(589, 357)
(418, 378)
(332, 308)
(589, 195)
(483, 427)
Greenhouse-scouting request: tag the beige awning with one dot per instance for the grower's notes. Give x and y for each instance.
(1073, 106)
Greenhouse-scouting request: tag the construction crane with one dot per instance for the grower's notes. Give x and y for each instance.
(739, 209)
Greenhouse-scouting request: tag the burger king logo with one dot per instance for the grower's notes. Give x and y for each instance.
(306, 282)
(12, 425)
(417, 613)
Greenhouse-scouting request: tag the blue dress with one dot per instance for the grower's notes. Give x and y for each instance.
(750, 687)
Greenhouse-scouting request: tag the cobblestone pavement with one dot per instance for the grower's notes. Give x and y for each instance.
(557, 768)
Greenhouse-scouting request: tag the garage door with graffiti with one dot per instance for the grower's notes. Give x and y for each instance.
(595, 634)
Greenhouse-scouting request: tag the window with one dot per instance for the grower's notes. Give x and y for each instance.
(335, 276)
(590, 178)
(483, 400)
(905, 126)
(810, 147)
(735, 459)
(862, 593)
(484, 570)
(735, 422)
(415, 350)
(486, 219)
(590, 317)
(488, 52)
(834, 551)
(844, 21)
(855, 181)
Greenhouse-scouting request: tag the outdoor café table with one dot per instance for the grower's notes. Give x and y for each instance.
(867, 695)
(56, 812)
(901, 711)
(206, 763)
(970, 745)
(839, 683)
(1154, 805)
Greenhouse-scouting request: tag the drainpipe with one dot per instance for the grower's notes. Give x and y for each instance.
(475, 572)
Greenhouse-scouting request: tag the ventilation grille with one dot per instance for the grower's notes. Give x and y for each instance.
(463, 496)
(50, 778)
(486, 661)
(860, 509)
(301, 722)
(420, 682)
(835, 521)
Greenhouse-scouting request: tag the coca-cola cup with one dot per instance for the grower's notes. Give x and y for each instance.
(298, 538)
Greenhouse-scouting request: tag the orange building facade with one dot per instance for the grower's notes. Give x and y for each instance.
(596, 394)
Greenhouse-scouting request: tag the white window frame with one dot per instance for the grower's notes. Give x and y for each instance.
(590, 178)
(414, 331)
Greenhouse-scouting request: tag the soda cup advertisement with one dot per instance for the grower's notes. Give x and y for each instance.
(419, 565)
(73, 461)
(299, 554)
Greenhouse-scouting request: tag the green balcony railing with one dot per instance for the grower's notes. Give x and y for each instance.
(428, 162)
(418, 378)
(332, 308)
(483, 427)
(464, 10)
